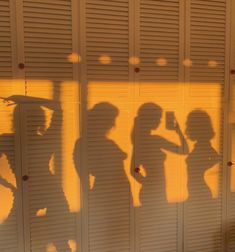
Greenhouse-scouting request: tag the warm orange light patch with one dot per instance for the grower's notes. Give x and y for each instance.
(161, 62)
(176, 178)
(74, 58)
(211, 178)
(105, 59)
(48, 116)
(6, 171)
(212, 63)
(91, 181)
(134, 60)
(72, 245)
(52, 164)
(7, 199)
(6, 194)
(142, 171)
(40, 88)
(41, 212)
(51, 248)
(187, 63)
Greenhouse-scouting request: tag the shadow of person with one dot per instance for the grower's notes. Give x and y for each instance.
(46, 207)
(201, 209)
(109, 190)
(157, 216)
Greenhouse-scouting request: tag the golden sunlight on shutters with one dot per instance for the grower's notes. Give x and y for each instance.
(205, 81)
(108, 126)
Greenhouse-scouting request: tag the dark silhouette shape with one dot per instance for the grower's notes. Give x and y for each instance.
(201, 210)
(148, 150)
(109, 198)
(49, 215)
(156, 216)
(203, 156)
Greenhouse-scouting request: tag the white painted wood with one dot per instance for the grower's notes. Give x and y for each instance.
(159, 85)
(108, 88)
(206, 84)
(11, 228)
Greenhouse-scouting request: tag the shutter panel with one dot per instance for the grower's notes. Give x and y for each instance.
(51, 72)
(231, 198)
(205, 76)
(50, 221)
(5, 44)
(108, 102)
(48, 46)
(11, 233)
(159, 94)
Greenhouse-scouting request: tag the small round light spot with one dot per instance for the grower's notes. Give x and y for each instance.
(74, 58)
(212, 63)
(105, 59)
(134, 60)
(187, 62)
(41, 212)
(161, 62)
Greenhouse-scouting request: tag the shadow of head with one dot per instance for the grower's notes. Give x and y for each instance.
(150, 113)
(199, 126)
(102, 118)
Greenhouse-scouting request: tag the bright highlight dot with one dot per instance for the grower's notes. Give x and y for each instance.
(41, 212)
(142, 171)
(105, 59)
(72, 245)
(212, 63)
(91, 181)
(52, 164)
(134, 60)
(161, 62)
(74, 58)
(187, 62)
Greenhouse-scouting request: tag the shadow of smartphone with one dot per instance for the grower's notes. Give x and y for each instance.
(170, 120)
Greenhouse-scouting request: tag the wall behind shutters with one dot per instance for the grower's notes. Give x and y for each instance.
(205, 77)
(51, 60)
(11, 233)
(107, 148)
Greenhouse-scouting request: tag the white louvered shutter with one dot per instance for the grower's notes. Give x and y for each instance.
(11, 225)
(159, 94)
(11, 228)
(106, 157)
(6, 49)
(205, 79)
(52, 194)
(230, 228)
(50, 223)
